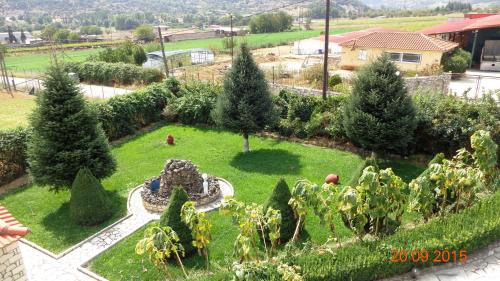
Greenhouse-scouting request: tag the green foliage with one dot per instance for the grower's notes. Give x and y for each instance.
(173, 85)
(110, 73)
(445, 123)
(172, 218)
(160, 243)
(334, 80)
(66, 135)
(90, 30)
(376, 205)
(89, 204)
(245, 106)
(369, 161)
(194, 104)
(144, 33)
(457, 62)
(273, 22)
(13, 146)
(485, 156)
(379, 115)
(469, 230)
(279, 201)
(200, 227)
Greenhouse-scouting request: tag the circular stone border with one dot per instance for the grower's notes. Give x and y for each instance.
(204, 205)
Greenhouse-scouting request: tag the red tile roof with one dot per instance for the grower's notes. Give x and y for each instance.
(10, 229)
(464, 25)
(344, 37)
(401, 40)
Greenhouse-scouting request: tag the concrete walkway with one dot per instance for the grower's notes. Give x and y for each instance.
(42, 265)
(91, 91)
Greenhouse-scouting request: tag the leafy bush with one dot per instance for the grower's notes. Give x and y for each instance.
(173, 85)
(13, 146)
(128, 52)
(196, 101)
(172, 218)
(279, 201)
(109, 73)
(445, 123)
(457, 62)
(334, 80)
(376, 204)
(124, 114)
(89, 204)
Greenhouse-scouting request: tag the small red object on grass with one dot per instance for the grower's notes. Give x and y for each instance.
(332, 179)
(170, 140)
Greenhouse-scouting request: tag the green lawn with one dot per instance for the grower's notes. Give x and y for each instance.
(14, 111)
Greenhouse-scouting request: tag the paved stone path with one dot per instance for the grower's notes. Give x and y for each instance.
(42, 265)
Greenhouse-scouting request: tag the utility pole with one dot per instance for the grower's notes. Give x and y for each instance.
(232, 41)
(327, 41)
(165, 62)
(4, 74)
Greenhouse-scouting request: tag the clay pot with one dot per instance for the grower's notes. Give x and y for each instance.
(170, 140)
(332, 179)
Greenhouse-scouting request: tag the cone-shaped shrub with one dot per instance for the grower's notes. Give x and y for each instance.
(89, 204)
(172, 218)
(279, 201)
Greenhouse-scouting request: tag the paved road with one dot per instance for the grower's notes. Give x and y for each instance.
(91, 91)
(476, 83)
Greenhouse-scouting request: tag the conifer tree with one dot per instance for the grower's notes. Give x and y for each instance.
(23, 36)
(172, 217)
(245, 106)
(89, 204)
(66, 135)
(279, 201)
(379, 115)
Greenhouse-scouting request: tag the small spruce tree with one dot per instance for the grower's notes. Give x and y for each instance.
(89, 204)
(172, 217)
(279, 201)
(379, 115)
(245, 106)
(66, 135)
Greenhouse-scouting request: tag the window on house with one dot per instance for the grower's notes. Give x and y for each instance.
(395, 56)
(363, 55)
(415, 58)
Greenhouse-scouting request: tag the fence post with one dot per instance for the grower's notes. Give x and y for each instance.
(273, 74)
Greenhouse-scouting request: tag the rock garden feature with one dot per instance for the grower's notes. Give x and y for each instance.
(201, 188)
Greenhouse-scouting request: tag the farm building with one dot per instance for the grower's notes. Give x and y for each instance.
(316, 45)
(411, 51)
(188, 35)
(180, 58)
(11, 259)
(225, 31)
(30, 39)
(476, 33)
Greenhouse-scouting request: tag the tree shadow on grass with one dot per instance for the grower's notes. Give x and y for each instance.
(59, 222)
(268, 161)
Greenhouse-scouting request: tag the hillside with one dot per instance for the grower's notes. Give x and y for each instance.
(423, 3)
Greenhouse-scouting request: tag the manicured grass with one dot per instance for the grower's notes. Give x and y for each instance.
(14, 111)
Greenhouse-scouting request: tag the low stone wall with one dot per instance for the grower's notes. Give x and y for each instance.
(298, 90)
(11, 263)
(429, 83)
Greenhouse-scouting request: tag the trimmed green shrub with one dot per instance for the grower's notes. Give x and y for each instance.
(196, 101)
(128, 52)
(172, 218)
(334, 80)
(89, 204)
(173, 85)
(13, 147)
(66, 135)
(379, 115)
(279, 201)
(457, 62)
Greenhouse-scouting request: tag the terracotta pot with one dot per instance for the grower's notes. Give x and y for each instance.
(170, 140)
(332, 179)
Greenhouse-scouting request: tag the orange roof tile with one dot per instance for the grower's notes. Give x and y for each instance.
(10, 229)
(401, 40)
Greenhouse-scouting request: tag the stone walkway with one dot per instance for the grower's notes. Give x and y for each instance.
(41, 265)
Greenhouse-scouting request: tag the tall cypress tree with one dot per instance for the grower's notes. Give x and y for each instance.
(379, 114)
(245, 106)
(23, 36)
(66, 135)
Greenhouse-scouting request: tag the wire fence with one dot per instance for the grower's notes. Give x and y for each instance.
(475, 86)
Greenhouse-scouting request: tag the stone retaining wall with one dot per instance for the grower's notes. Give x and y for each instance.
(11, 263)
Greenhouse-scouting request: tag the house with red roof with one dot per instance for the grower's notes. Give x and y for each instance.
(316, 45)
(11, 260)
(411, 51)
(476, 33)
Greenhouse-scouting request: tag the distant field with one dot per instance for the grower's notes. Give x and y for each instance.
(14, 112)
(406, 24)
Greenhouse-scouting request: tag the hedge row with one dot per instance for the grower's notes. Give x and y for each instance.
(13, 153)
(469, 230)
(110, 73)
